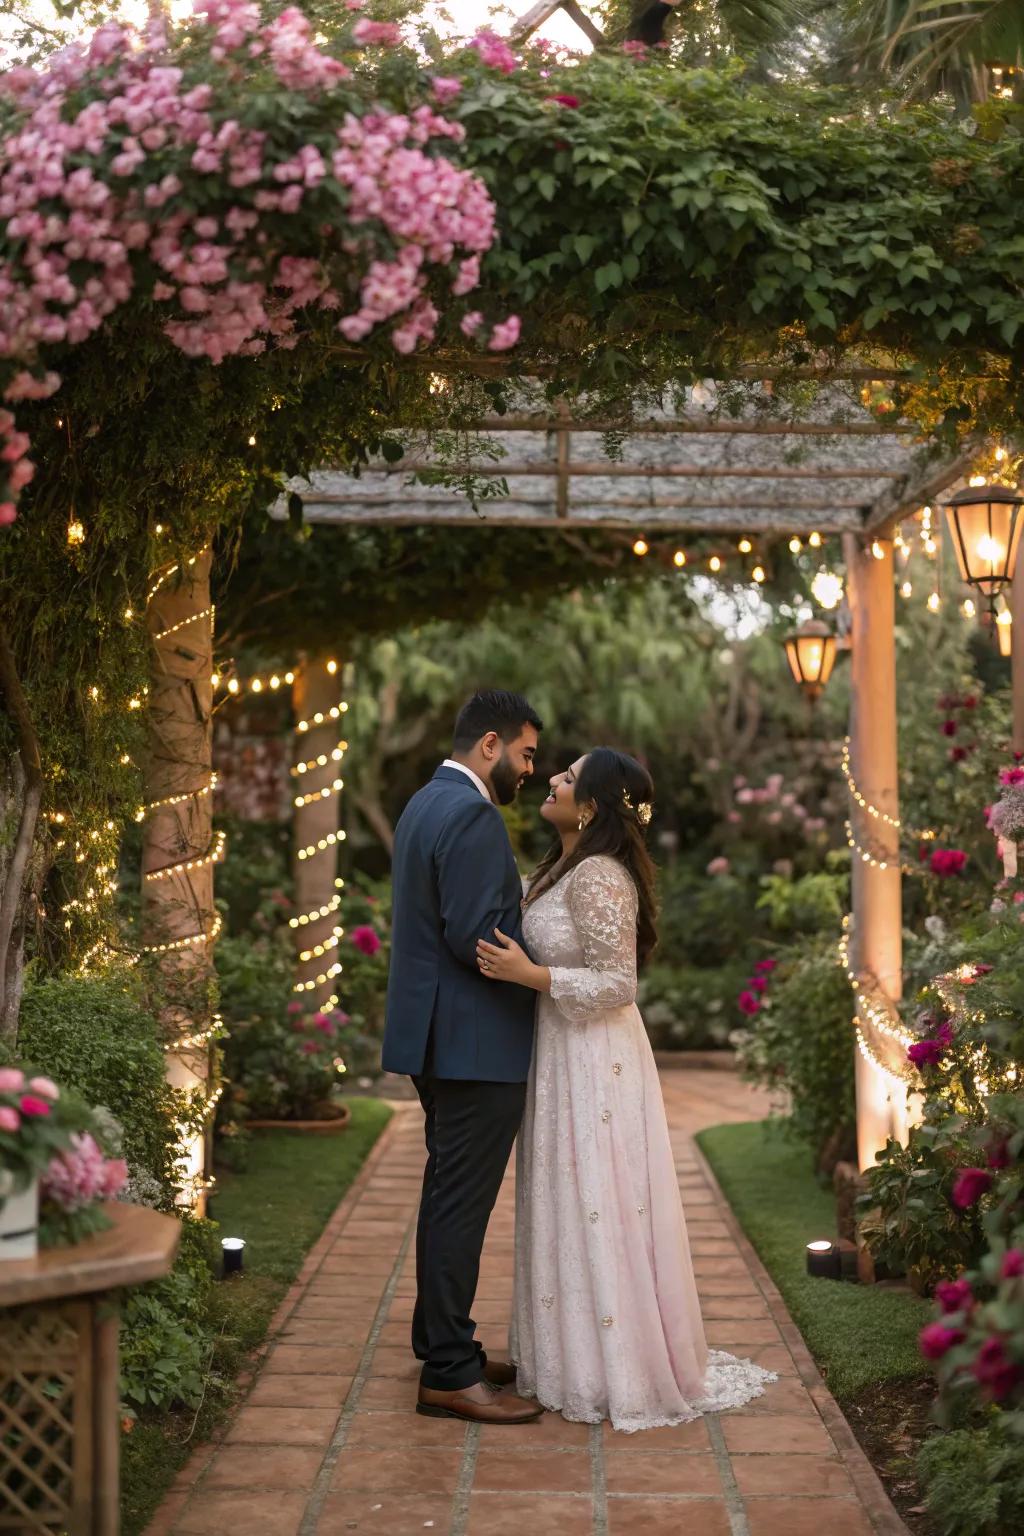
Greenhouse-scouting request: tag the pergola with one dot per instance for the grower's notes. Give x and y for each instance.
(721, 466)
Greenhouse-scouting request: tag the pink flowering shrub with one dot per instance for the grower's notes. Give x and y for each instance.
(81, 1175)
(244, 180)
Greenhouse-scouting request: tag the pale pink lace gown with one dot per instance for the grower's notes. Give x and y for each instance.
(606, 1322)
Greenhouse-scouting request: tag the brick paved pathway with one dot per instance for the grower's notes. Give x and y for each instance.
(327, 1442)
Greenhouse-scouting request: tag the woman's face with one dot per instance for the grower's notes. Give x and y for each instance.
(560, 808)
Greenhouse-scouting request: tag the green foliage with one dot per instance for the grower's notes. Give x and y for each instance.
(859, 1335)
(686, 1008)
(800, 1043)
(96, 1034)
(814, 904)
(166, 1334)
(974, 1480)
(909, 1222)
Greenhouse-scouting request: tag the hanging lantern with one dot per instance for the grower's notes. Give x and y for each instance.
(811, 653)
(1004, 630)
(985, 522)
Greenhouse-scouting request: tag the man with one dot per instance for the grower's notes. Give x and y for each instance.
(465, 1043)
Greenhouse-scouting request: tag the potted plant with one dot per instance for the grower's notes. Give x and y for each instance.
(53, 1172)
(284, 1069)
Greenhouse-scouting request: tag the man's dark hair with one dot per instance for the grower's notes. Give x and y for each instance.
(493, 709)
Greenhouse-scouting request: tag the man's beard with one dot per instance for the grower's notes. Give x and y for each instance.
(504, 781)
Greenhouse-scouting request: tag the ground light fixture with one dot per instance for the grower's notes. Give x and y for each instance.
(823, 1260)
(232, 1249)
(811, 653)
(985, 523)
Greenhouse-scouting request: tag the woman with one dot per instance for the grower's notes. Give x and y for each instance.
(607, 1322)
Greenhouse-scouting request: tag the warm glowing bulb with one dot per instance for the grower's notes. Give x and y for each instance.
(129, 613)
(1000, 455)
(215, 680)
(256, 685)
(758, 573)
(714, 564)
(990, 549)
(906, 589)
(877, 550)
(275, 681)
(930, 546)
(289, 677)
(969, 608)
(978, 480)
(76, 532)
(332, 667)
(679, 558)
(795, 546)
(744, 546)
(827, 587)
(640, 547)
(815, 541)
(233, 685)
(252, 442)
(934, 602)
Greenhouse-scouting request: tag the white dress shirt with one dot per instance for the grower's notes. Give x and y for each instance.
(477, 780)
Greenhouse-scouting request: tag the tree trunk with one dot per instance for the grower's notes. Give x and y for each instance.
(178, 914)
(20, 800)
(315, 834)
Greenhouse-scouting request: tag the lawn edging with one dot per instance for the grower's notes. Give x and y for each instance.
(870, 1489)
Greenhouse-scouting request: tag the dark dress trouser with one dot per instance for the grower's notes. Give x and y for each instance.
(470, 1131)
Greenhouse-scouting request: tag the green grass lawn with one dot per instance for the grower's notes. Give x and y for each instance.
(280, 1205)
(860, 1336)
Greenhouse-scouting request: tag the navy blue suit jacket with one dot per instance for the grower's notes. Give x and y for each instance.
(454, 881)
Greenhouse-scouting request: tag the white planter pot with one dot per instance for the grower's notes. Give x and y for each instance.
(19, 1223)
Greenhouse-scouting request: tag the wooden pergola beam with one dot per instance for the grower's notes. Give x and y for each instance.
(700, 425)
(903, 500)
(559, 470)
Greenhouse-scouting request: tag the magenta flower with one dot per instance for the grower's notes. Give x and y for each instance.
(505, 334)
(749, 1004)
(10, 1120)
(36, 1109)
(1011, 776)
(925, 1053)
(947, 861)
(309, 1047)
(340, 1017)
(954, 1295)
(366, 939)
(323, 1023)
(81, 1174)
(765, 967)
(757, 983)
(936, 1340)
(294, 1007)
(995, 1371)
(971, 1184)
(998, 1153)
(494, 51)
(949, 727)
(565, 101)
(380, 34)
(1012, 1266)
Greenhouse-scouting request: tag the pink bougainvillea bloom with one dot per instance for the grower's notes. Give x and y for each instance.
(12, 1080)
(8, 513)
(925, 1053)
(81, 1174)
(44, 1086)
(494, 51)
(9, 1119)
(1012, 1266)
(998, 1153)
(945, 862)
(719, 866)
(366, 939)
(471, 322)
(34, 1108)
(505, 334)
(634, 49)
(765, 966)
(445, 89)
(323, 1023)
(748, 1003)
(565, 101)
(294, 1007)
(1011, 775)
(377, 34)
(995, 1371)
(936, 1340)
(954, 1295)
(971, 1184)
(758, 983)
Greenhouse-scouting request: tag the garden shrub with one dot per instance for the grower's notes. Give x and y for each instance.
(974, 1480)
(705, 920)
(687, 1008)
(166, 1333)
(96, 1035)
(798, 1041)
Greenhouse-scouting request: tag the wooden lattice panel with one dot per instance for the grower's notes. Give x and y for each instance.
(45, 1417)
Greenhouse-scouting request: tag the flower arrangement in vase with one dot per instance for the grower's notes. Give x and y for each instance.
(54, 1174)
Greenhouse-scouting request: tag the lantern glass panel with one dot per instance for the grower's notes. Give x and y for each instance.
(986, 531)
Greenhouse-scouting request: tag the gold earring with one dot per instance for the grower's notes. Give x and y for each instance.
(586, 817)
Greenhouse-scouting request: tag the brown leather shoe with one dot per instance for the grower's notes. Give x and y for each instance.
(500, 1373)
(481, 1403)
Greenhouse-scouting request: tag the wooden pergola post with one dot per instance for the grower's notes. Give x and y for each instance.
(316, 772)
(1016, 601)
(883, 1109)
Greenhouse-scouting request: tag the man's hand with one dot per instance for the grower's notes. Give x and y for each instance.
(508, 961)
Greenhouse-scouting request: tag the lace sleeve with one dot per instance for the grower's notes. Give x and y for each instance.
(602, 901)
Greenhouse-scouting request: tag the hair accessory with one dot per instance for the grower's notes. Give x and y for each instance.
(643, 811)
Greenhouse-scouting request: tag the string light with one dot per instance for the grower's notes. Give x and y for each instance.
(906, 590)
(206, 937)
(795, 545)
(679, 559)
(76, 532)
(815, 540)
(321, 761)
(188, 794)
(319, 794)
(714, 564)
(877, 550)
(318, 981)
(969, 608)
(311, 917)
(321, 717)
(319, 950)
(934, 602)
(758, 574)
(827, 588)
(213, 856)
(640, 547)
(902, 1082)
(199, 1039)
(325, 842)
(744, 546)
(192, 618)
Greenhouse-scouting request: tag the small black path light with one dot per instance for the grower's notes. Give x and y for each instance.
(233, 1248)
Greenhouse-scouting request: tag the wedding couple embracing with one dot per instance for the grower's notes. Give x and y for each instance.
(516, 1015)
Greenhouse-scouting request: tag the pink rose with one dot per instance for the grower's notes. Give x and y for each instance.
(971, 1184)
(935, 1340)
(9, 1119)
(12, 1080)
(565, 101)
(954, 1295)
(1013, 1264)
(366, 939)
(763, 967)
(33, 1108)
(994, 1371)
(294, 1007)
(44, 1086)
(749, 1004)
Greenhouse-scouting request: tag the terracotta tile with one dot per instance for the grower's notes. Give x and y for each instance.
(382, 1513)
(284, 1426)
(781, 1432)
(390, 1361)
(787, 1395)
(722, 1307)
(334, 1331)
(263, 1466)
(335, 1308)
(677, 1437)
(399, 1471)
(667, 1517)
(502, 1514)
(363, 1286)
(546, 1433)
(213, 1513)
(531, 1471)
(387, 1392)
(729, 1285)
(310, 1359)
(713, 1247)
(383, 1431)
(806, 1517)
(301, 1391)
(658, 1472)
(737, 1335)
(783, 1474)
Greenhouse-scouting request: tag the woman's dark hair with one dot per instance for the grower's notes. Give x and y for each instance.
(493, 709)
(618, 786)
